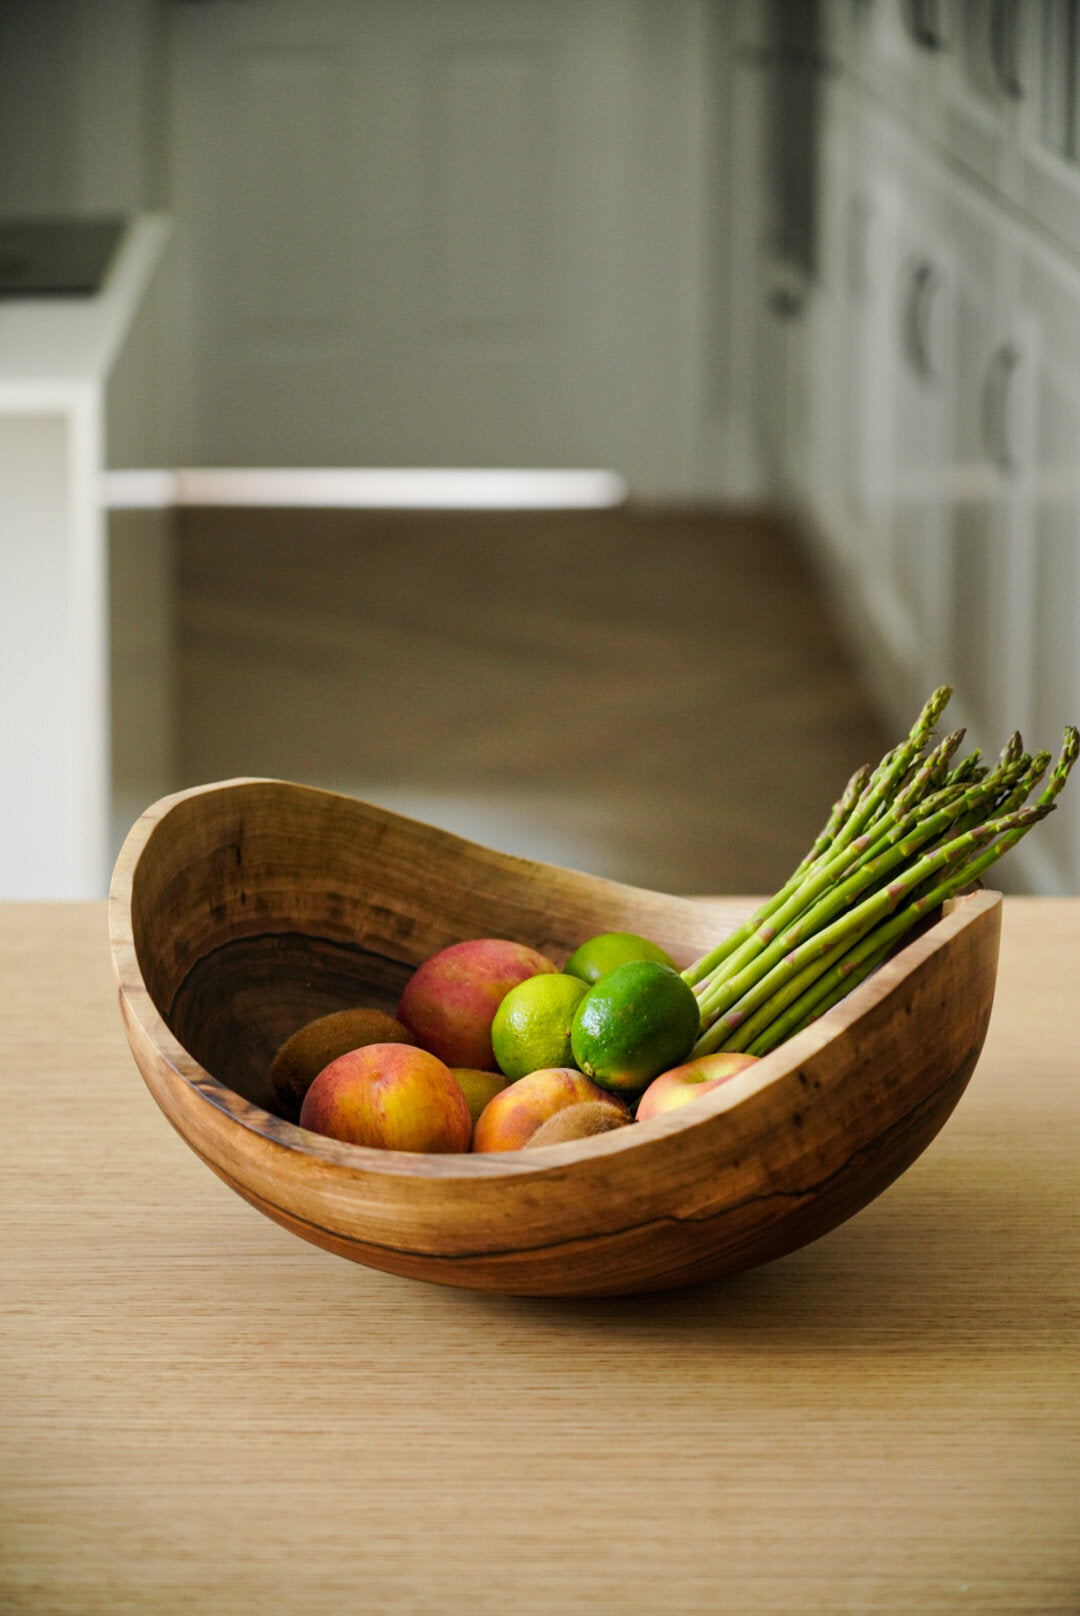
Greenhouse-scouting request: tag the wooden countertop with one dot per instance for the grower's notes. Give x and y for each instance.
(202, 1413)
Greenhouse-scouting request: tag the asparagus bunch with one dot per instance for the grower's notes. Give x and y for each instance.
(900, 840)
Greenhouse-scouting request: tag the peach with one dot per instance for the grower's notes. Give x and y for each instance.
(509, 1121)
(390, 1096)
(450, 1002)
(687, 1082)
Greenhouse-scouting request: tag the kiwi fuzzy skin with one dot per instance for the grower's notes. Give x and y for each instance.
(579, 1122)
(303, 1056)
(479, 1086)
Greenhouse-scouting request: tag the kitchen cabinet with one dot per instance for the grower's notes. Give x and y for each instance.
(984, 458)
(954, 70)
(1046, 574)
(834, 451)
(917, 309)
(974, 115)
(930, 407)
(1046, 164)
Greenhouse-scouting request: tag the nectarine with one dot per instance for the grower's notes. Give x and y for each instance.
(687, 1082)
(509, 1121)
(450, 1002)
(390, 1096)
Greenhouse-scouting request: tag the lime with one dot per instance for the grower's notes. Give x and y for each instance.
(600, 955)
(637, 1021)
(531, 1030)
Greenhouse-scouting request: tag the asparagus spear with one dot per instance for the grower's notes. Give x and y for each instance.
(858, 962)
(820, 993)
(841, 809)
(832, 889)
(1034, 769)
(840, 812)
(1062, 768)
(864, 794)
(856, 923)
(967, 769)
(812, 992)
(893, 767)
(1013, 748)
(898, 840)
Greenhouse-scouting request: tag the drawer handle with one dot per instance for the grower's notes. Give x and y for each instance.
(923, 288)
(924, 23)
(1005, 47)
(995, 414)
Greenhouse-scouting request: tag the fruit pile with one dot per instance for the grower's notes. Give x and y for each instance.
(494, 1048)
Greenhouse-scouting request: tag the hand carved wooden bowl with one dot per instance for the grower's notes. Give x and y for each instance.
(239, 911)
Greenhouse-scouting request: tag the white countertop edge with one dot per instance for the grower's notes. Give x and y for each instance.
(52, 348)
(367, 487)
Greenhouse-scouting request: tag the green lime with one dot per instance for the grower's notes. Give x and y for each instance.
(531, 1030)
(637, 1021)
(600, 955)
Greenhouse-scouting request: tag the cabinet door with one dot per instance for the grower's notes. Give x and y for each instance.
(894, 46)
(900, 401)
(1047, 179)
(986, 452)
(832, 315)
(822, 343)
(843, 26)
(1047, 538)
(983, 85)
(778, 93)
(923, 290)
(951, 69)
(871, 210)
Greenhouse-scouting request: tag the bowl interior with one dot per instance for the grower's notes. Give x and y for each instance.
(260, 905)
(239, 1003)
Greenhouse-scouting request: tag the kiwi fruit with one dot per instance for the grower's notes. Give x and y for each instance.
(302, 1057)
(579, 1122)
(479, 1087)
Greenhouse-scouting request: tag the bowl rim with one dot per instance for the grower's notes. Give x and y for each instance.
(141, 1012)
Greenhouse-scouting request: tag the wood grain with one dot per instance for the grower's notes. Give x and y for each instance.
(614, 690)
(201, 1413)
(242, 910)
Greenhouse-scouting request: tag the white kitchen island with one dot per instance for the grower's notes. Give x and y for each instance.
(79, 392)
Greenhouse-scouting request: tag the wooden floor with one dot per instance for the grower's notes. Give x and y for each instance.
(657, 698)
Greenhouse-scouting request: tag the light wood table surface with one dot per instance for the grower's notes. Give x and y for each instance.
(200, 1413)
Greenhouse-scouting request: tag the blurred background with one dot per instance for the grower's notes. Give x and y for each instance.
(802, 278)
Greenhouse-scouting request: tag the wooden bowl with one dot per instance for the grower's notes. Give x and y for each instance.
(241, 910)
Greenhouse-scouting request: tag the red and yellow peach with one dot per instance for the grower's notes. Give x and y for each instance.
(391, 1097)
(509, 1121)
(689, 1081)
(450, 1002)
